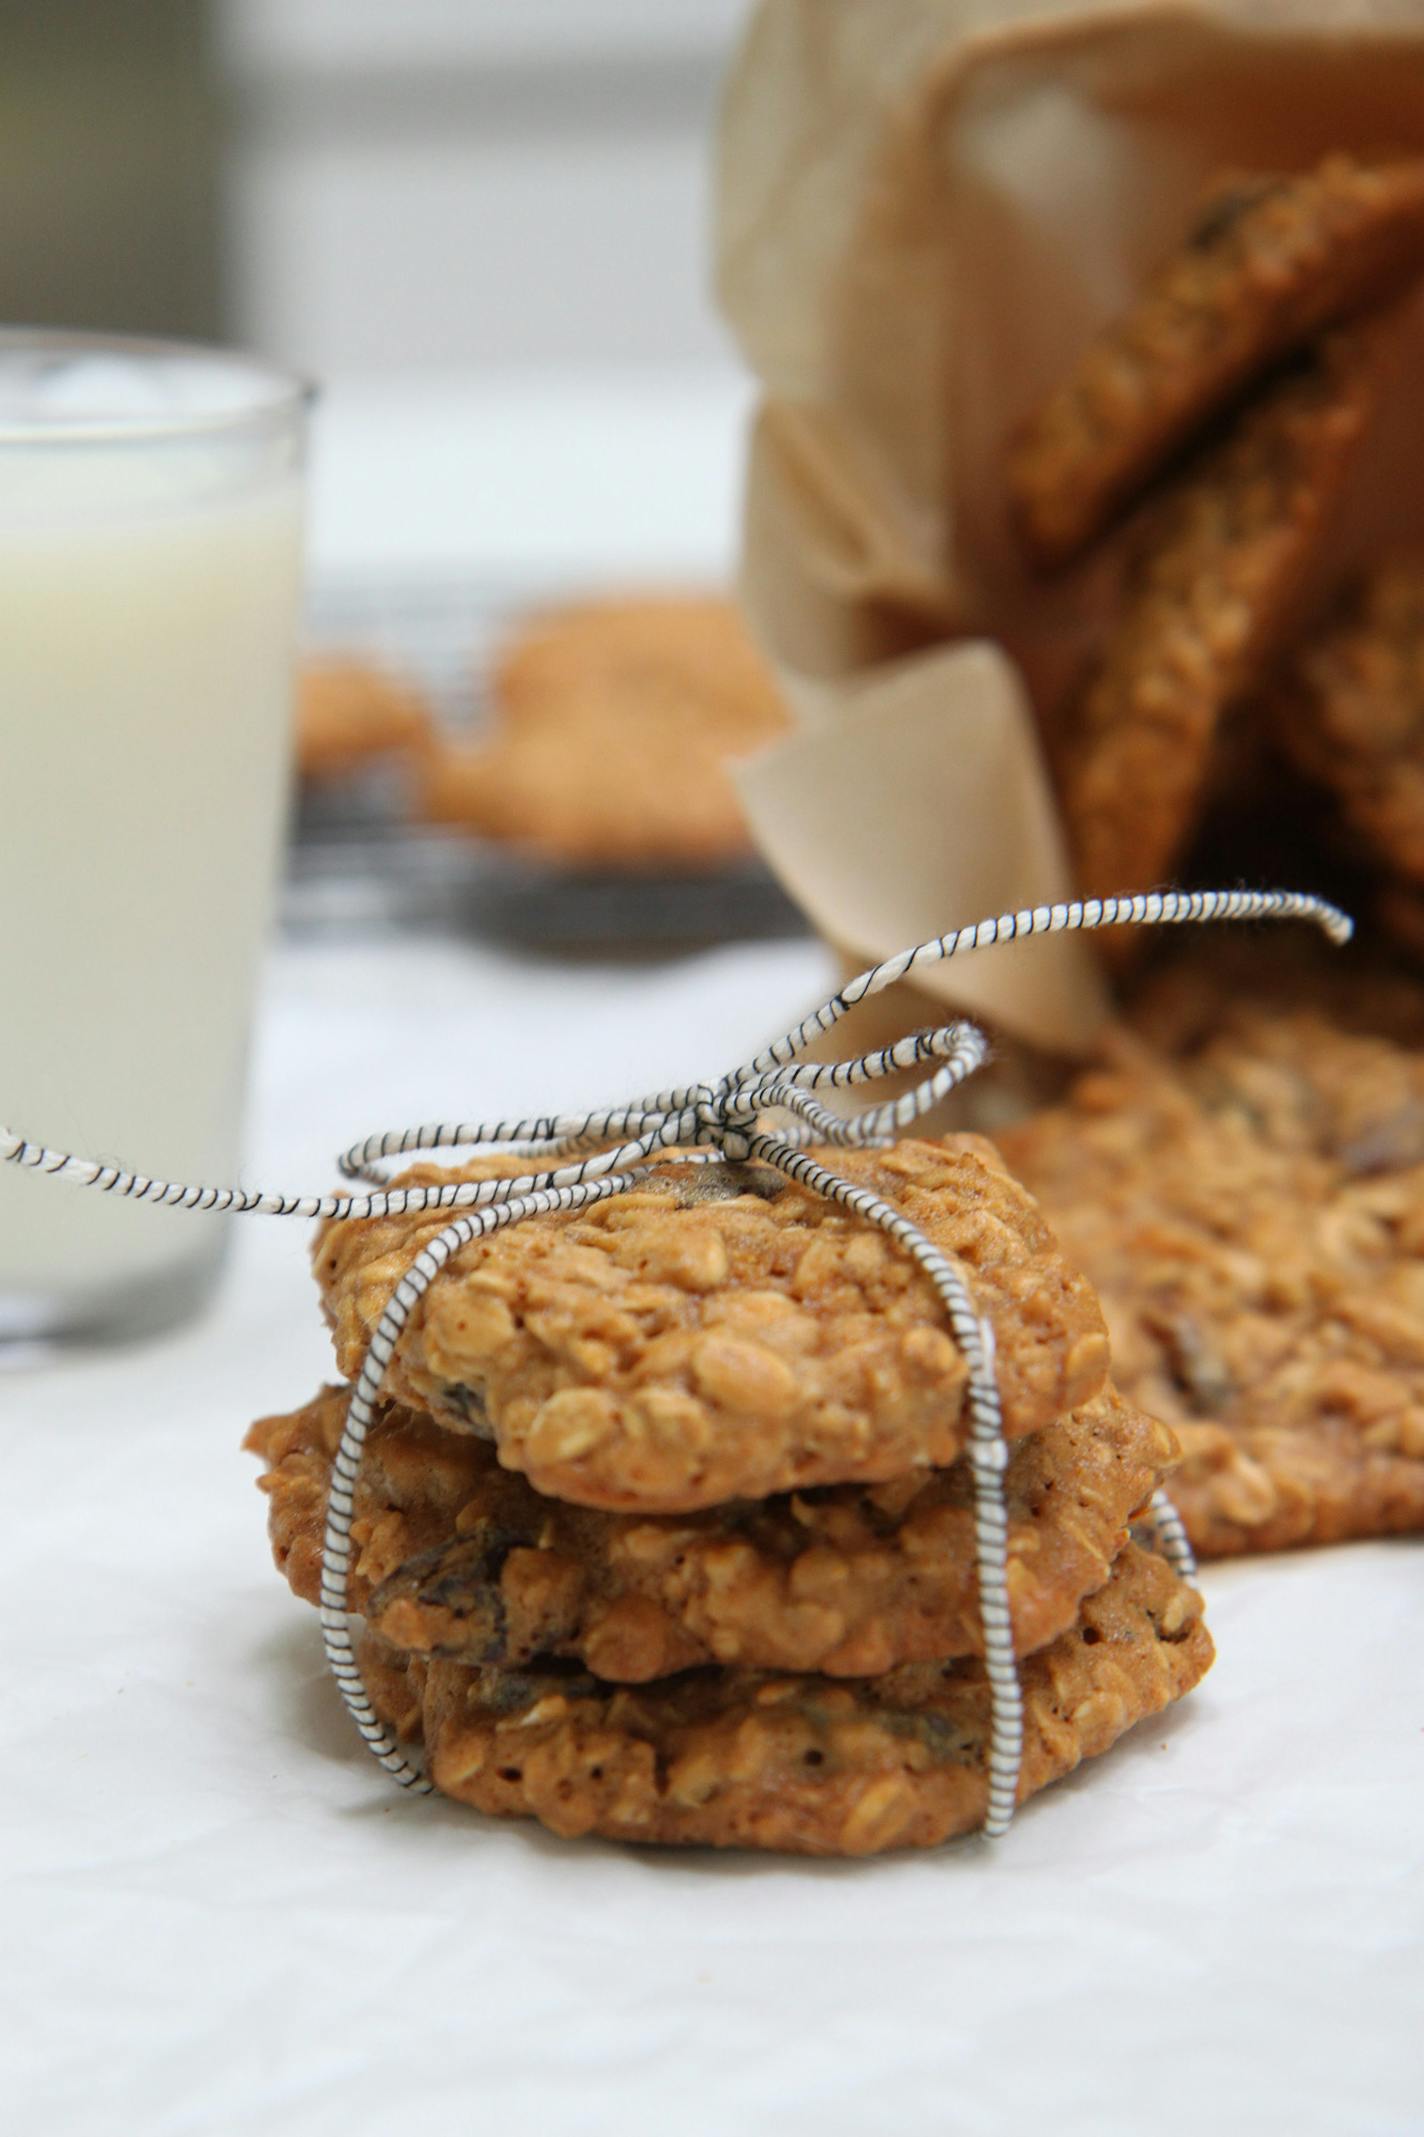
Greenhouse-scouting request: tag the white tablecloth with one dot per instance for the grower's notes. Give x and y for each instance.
(221, 1917)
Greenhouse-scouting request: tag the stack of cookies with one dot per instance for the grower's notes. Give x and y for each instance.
(666, 1530)
(1225, 411)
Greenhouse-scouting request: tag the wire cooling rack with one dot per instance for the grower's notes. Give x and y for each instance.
(358, 862)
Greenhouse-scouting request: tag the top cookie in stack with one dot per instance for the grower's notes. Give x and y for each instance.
(643, 1459)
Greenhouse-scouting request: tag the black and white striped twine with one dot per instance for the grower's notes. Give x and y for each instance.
(718, 1122)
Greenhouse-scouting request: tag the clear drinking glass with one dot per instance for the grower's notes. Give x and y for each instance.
(150, 576)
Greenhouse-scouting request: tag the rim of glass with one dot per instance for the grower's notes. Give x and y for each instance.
(277, 393)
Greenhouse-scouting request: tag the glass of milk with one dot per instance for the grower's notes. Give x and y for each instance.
(150, 575)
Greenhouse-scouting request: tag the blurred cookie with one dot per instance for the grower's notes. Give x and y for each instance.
(1208, 597)
(720, 1332)
(687, 657)
(349, 711)
(1351, 715)
(1271, 262)
(457, 1557)
(615, 724)
(619, 796)
(1253, 1216)
(729, 1758)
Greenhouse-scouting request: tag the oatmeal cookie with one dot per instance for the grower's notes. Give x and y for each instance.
(1253, 1216)
(1351, 714)
(720, 1332)
(349, 711)
(1271, 263)
(615, 721)
(458, 1558)
(730, 1758)
(1207, 601)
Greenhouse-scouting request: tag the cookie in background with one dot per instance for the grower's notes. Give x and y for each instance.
(352, 711)
(613, 725)
(1229, 406)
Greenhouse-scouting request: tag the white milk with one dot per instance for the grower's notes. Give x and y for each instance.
(149, 581)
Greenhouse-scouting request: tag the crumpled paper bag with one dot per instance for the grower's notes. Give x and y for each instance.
(925, 209)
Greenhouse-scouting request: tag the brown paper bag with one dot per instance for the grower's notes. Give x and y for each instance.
(926, 208)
